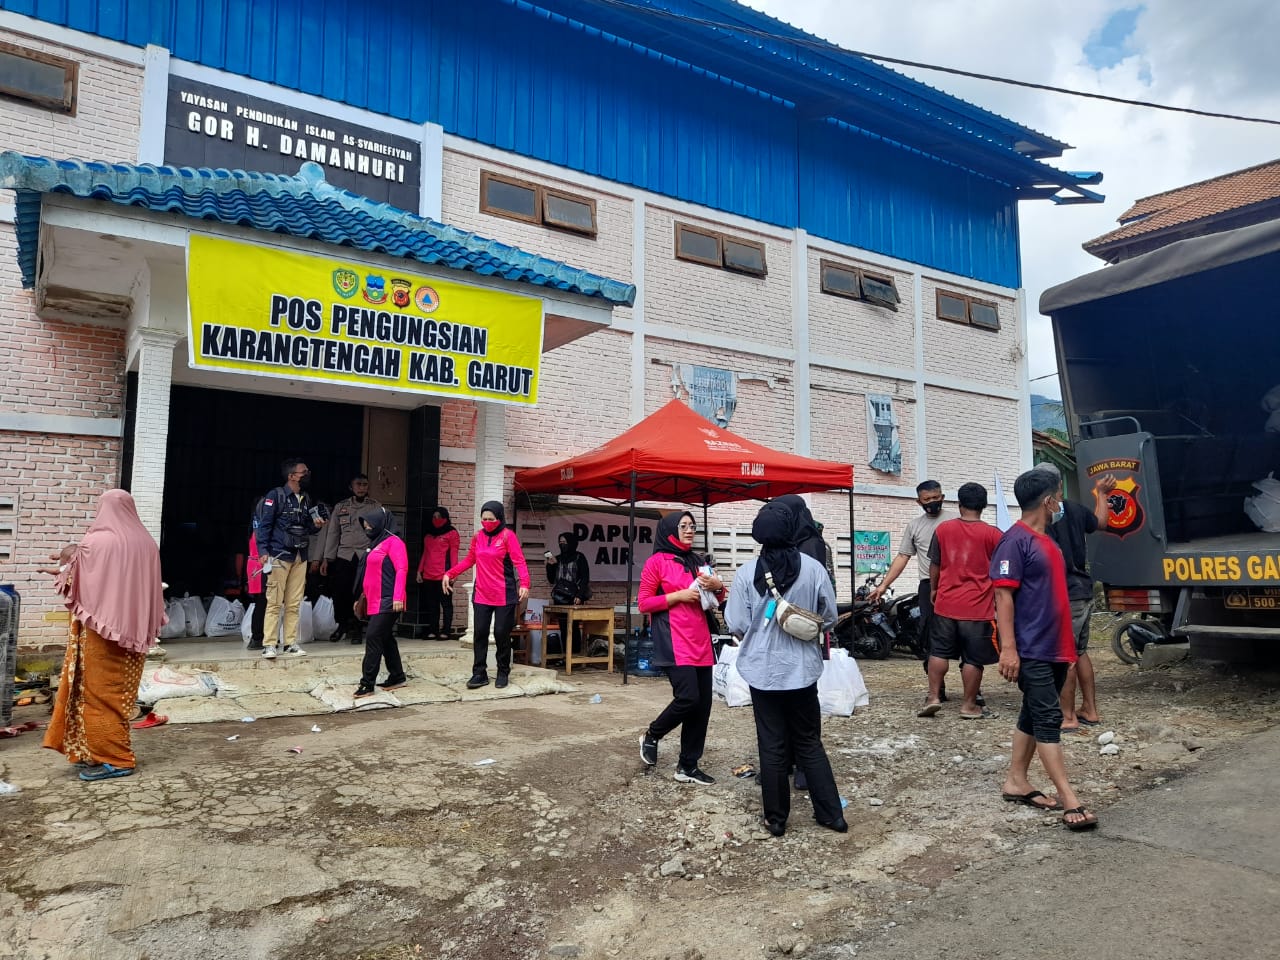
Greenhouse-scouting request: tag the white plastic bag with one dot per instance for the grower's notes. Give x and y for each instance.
(841, 688)
(1263, 509)
(224, 618)
(306, 624)
(177, 625)
(166, 683)
(246, 625)
(1271, 399)
(323, 624)
(727, 682)
(193, 607)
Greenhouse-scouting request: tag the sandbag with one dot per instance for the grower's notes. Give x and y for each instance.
(165, 683)
(224, 618)
(841, 688)
(193, 607)
(177, 625)
(1264, 509)
(323, 623)
(727, 682)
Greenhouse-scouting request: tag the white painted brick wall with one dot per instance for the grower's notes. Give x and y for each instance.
(838, 400)
(694, 296)
(857, 330)
(970, 437)
(958, 350)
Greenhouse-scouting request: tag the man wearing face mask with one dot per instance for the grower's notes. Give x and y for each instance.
(1037, 645)
(344, 546)
(917, 536)
(285, 523)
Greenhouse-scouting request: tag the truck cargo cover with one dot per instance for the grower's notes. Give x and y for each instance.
(1177, 260)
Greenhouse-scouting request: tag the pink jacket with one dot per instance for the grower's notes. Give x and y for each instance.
(681, 635)
(438, 554)
(500, 568)
(386, 575)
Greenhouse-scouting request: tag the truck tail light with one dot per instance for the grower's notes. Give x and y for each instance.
(1145, 601)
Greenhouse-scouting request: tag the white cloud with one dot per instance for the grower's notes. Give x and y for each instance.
(1217, 57)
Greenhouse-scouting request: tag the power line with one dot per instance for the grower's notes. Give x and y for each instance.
(826, 46)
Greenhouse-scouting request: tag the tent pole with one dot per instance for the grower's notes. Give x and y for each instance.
(853, 554)
(706, 528)
(631, 565)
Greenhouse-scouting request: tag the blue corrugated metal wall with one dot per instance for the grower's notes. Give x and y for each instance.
(502, 77)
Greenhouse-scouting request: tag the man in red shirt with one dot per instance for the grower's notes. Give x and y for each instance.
(963, 626)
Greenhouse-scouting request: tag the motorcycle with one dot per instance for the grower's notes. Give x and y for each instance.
(873, 630)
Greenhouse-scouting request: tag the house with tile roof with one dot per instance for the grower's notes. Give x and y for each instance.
(1215, 205)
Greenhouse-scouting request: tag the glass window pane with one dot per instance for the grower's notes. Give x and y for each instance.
(567, 212)
(743, 256)
(521, 201)
(839, 280)
(20, 75)
(952, 308)
(984, 315)
(879, 290)
(699, 246)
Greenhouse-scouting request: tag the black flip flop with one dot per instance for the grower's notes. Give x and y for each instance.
(1090, 821)
(1029, 800)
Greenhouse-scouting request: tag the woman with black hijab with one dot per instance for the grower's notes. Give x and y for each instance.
(808, 538)
(439, 553)
(383, 576)
(502, 581)
(782, 670)
(570, 579)
(670, 594)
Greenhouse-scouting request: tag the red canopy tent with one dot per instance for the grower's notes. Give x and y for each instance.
(677, 456)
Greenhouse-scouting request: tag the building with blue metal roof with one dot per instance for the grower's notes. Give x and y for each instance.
(215, 206)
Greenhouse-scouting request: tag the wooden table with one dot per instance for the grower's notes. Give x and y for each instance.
(601, 618)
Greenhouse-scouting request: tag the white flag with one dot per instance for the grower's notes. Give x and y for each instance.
(1003, 520)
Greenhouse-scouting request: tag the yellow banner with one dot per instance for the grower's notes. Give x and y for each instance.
(280, 314)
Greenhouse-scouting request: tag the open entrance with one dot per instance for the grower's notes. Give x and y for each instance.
(224, 451)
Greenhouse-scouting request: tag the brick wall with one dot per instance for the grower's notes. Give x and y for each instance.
(108, 110)
(958, 350)
(970, 437)
(678, 293)
(838, 405)
(56, 482)
(858, 330)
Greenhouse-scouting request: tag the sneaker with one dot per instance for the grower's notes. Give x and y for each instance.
(694, 776)
(362, 691)
(432, 636)
(295, 651)
(478, 680)
(254, 645)
(394, 684)
(502, 681)
(648, 749)
(269, 653)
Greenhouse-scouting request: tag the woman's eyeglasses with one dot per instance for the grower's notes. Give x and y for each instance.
(687, 526)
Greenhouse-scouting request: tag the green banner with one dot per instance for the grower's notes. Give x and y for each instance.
(870, 551)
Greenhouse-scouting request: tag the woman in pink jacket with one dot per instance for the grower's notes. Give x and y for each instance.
(439, 553)
(669, 593)
(502, 581)
(383, 576)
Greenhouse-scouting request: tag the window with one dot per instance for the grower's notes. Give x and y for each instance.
(39, 78)
(533, 203)
(841, 280)
(700, 245)
(962, 308)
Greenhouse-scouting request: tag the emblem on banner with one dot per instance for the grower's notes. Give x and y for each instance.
(346, 282)
(427, 299)
(400, 292)
(375, 289)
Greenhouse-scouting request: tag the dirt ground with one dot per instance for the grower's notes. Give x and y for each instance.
(387, 838)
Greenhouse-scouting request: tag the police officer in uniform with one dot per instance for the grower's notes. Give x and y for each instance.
(286, 520)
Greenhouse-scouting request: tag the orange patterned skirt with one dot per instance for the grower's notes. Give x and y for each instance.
(96, 700)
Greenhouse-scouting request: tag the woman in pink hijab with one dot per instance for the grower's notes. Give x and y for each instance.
(111, 582)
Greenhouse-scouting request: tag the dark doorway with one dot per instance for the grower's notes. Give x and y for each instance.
(224, 452)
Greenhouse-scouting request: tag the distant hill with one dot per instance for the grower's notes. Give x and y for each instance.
(1047, 414)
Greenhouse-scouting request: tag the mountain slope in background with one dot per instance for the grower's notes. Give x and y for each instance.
(1047, 414)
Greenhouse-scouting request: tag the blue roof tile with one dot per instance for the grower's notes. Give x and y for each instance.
(301, 206)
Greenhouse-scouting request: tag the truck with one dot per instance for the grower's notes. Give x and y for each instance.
(1169, 364)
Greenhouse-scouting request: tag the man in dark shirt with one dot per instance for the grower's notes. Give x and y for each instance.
(1069, 533)
(1033, 619)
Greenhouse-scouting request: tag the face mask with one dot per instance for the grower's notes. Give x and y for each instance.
(563, 547)
(304, 481)
(437, 522)
(367, 532)
(1059, 513)
(490, 525)
(360, 499)
(932, 509)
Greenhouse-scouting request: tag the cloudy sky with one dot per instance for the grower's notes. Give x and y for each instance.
(1211, 56)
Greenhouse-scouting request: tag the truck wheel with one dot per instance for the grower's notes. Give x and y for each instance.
(1128, 644)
